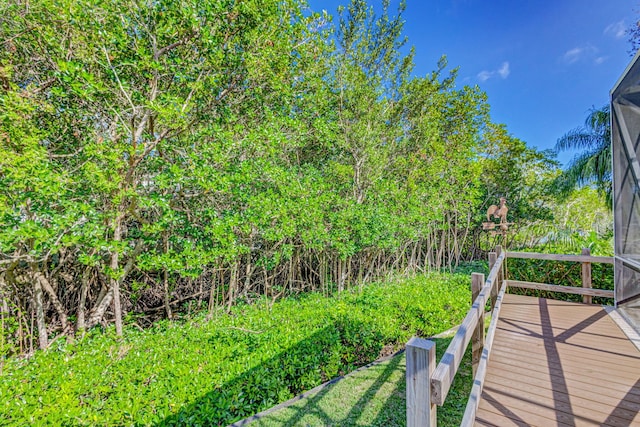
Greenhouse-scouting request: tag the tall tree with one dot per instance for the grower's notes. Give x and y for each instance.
(592, 166)
(368, 70)
(154, 153)
(103, 98)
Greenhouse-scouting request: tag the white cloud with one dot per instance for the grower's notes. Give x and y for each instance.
(617, 29)
(503, 72)
(600, 59)
(573, 55)
(577, 53)
(483, 76)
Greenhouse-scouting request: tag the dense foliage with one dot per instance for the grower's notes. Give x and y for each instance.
(582, 219)
(214, 372)
(154, 154)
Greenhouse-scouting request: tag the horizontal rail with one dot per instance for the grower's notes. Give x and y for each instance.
(563, 289)
(558, 257)
(450, 362)
(478, 382)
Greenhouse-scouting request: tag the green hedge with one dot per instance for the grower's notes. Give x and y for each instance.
(199, 372)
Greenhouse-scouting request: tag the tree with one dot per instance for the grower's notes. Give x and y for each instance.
(437, 161)
(593, 165)
(521, 174)
(155, 153)
(100, 100)
(368, 70)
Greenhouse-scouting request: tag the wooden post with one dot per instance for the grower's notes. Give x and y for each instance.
(421, 362)
(586, 276)
(493, 257)
(477, 339)
(500, 277)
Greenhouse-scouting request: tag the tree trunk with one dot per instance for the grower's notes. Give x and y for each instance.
(323, 272)
(440, 260)
(340, 281)
(247, 277)
(39, 309)
(4, 311)
(265, 273)
(165, 279)
(290, 276)
(233, 283)
(372, 264)
(114, 279)
(115, 293)
(95, 316)
(107, 296)
(84, 289)
(212, 293)
(46, 286)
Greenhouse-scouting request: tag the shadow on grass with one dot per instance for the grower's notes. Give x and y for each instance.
(351, 401)
(325, 354)
(374, 396)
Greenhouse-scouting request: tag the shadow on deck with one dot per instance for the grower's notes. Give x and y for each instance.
(559, 363)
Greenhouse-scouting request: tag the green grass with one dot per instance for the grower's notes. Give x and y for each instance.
(372, 397)
(199, 372)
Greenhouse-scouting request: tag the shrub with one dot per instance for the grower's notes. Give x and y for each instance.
(201, 372)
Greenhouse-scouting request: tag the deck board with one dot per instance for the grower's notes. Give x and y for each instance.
(557, 363)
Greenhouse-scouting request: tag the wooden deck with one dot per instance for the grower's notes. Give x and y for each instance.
(556, 363)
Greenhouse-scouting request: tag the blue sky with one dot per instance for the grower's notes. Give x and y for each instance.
(543, 63)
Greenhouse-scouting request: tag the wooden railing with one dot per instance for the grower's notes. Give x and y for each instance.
(585, 259)
(428, 384)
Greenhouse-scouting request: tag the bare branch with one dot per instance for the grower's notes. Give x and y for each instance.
(166, 49)
(115, 73)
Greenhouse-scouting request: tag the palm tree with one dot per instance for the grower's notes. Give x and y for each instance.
(593, 165)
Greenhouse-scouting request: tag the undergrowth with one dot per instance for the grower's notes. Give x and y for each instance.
(214, 372)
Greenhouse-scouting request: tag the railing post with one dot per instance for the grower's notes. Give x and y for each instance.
(500, 277)
(493, 257)
(477, 339)
(586, 276)
(421, 362)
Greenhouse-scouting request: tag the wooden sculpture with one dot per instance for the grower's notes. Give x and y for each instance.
(500, 212)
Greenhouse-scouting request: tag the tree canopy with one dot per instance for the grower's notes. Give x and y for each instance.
(157, 154)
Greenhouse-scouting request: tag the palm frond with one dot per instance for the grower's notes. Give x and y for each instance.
(577, 139)
(593, 165)
(596, 132)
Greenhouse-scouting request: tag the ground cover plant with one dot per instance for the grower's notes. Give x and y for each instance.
(213, 372)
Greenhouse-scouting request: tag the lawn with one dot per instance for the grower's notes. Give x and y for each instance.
(374, 396)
